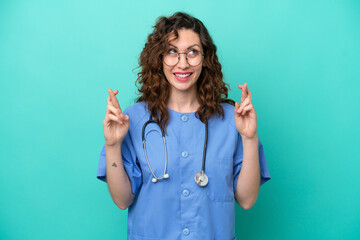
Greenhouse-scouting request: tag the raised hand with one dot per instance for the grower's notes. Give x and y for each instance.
(245, 115)
(116, 124)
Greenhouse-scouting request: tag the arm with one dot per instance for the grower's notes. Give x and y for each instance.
(116, 125)
(248, 183)
(117, 179)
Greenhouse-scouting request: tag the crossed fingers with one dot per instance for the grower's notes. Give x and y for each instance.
(245, 100)
(113, 109)
(112, 98)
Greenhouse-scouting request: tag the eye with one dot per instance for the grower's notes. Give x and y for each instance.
(171, 51)
(193, 53)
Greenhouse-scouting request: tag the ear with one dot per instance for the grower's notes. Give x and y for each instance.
(204, 63)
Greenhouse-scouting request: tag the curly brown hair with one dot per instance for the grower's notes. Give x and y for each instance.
(153, 87)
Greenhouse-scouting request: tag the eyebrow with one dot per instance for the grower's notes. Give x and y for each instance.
(188, 47)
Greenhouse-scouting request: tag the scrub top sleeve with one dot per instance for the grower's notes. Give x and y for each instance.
(264, 170)
(129, 161)
(101, 171)
(131, 164)
(238, 159)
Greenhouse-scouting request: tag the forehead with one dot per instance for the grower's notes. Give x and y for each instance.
(186, 38)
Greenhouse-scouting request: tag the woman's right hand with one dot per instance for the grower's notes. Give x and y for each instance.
(116, 124)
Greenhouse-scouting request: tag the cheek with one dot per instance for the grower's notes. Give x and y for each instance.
(167, 71)
(198, 71)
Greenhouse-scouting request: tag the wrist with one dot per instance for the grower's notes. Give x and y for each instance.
(111, 146)
(246, 139)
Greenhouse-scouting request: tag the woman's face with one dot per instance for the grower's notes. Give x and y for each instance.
(183, 77)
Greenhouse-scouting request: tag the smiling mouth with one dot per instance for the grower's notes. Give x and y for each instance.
(182, 75)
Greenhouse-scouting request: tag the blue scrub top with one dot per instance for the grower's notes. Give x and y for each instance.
(177, 208)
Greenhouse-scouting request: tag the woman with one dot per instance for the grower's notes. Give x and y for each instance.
(179, 174)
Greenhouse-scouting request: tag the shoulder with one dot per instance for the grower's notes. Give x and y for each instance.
(226, 121)
(137, 113)
(228, 108)
(228, 112)
(137, 108)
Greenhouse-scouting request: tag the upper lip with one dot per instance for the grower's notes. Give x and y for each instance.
(182, 72)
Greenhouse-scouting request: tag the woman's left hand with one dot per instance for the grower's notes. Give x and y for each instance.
(245, 115)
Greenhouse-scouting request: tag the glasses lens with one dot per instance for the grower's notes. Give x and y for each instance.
(171, 57)
(194, 58)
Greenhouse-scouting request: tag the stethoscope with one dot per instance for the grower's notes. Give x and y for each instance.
(200, 178)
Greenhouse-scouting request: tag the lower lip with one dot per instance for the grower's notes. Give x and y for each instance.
(182, 79)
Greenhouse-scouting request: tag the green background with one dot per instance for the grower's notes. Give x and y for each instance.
(301, 60)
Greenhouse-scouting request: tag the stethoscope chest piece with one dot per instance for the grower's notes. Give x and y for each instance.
(201, 179)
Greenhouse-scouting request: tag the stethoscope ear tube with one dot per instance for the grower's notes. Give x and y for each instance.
(200, 178)
(165, 175)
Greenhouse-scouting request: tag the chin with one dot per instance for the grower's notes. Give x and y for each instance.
(182, 87)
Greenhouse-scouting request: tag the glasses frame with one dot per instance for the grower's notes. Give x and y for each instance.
(186, 53)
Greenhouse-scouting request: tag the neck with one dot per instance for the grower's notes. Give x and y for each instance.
(183, 101)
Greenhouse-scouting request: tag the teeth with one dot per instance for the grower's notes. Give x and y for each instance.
(182, 75)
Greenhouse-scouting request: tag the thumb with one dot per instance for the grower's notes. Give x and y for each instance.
(237, 106)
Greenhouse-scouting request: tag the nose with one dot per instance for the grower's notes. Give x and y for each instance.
(183, 63)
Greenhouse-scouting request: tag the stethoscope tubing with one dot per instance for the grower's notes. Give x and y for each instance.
(146, 157)
(165, 175)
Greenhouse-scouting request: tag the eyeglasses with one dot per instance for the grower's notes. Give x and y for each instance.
(193, 57)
